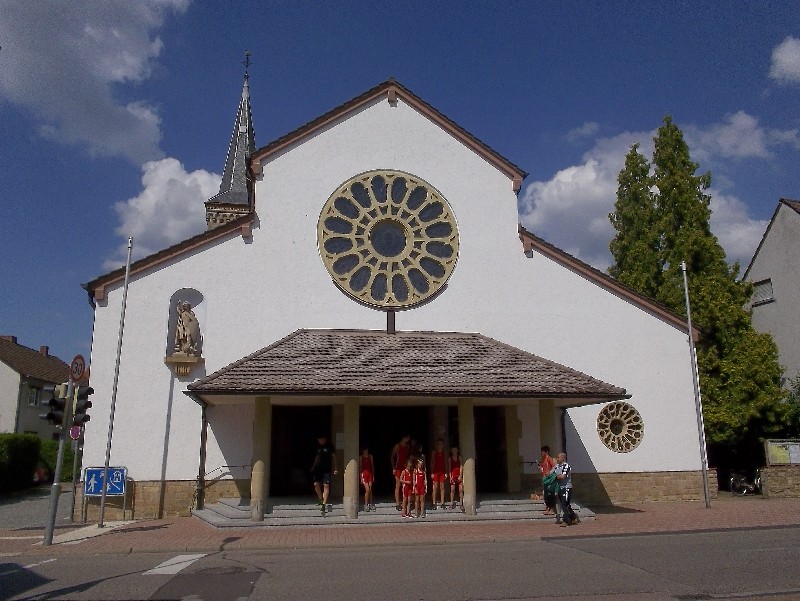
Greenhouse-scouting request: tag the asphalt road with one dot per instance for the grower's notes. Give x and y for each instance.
(30, 509)
(734, 564)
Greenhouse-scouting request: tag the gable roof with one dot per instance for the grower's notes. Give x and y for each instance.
(377, 363)
(792, 204)
(392, 89)
(30, 363)
(242, 225)
(532, 242)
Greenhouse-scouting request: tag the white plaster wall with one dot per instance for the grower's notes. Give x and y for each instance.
(9, 394)
(257, 291)
(777, 260)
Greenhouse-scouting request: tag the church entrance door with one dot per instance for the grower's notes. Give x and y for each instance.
(381, 429)
(294, 442)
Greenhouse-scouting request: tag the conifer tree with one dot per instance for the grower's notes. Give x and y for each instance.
(739, 369)
(636, 245)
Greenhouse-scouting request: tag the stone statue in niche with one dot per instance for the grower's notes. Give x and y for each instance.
(187, 331)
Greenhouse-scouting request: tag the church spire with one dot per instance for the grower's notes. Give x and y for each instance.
(234, 197)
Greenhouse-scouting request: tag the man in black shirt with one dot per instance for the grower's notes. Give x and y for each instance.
(324, 463)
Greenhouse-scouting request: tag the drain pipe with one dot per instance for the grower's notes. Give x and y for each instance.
(201, 474)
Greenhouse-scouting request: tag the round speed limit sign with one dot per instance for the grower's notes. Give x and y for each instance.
(77, 368)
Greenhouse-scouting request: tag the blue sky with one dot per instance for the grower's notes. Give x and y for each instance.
(115, 116)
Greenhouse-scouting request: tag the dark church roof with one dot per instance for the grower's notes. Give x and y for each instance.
(365, 363)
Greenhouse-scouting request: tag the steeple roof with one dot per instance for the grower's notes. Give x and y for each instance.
(234, 188)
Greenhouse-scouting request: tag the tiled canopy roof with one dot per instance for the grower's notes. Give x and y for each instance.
(32, 364)
(366, 363)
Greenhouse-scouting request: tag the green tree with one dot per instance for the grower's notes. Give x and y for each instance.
(739, 369)
(635, 248)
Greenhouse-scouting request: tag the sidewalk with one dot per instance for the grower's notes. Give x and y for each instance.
(190, 534)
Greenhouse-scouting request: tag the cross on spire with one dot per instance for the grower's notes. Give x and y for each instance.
(246, 61)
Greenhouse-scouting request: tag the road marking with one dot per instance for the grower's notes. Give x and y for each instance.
(33, 565)
(18, 537)
(27, 567)
(175, 565)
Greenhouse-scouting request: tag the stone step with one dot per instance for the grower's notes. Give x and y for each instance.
(235, 513)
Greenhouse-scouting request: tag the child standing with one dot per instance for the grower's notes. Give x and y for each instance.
(406, 482)
(420, 487)
(438, 472)
(367, 470)
(456, 479)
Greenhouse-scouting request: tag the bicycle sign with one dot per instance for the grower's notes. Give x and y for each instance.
(93, 481)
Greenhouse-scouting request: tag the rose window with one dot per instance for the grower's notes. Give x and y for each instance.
(388, 239)
(620, 427)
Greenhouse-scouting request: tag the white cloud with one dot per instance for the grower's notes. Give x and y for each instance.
(571, 209)
(169, 208)
(738, 234)
(62, 62)
(587, 130)
(785, 67)
(739, 136)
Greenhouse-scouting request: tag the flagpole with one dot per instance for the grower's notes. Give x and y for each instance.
(104, 484)
(698, 404)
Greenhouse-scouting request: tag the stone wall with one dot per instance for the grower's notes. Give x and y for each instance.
(781, 480)
(152, 500)
(632, 487)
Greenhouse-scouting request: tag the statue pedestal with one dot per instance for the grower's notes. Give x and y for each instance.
(183, 364)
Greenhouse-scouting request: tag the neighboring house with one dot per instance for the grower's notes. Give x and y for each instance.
(775, 274)
(23, 373)
(365, 277)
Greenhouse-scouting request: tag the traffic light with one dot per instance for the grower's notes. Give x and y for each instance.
(82, 405)
(58, 404)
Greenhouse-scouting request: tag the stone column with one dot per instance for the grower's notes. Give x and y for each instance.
(548, 427)
(351, 452)
(262, 444)
(466, 440)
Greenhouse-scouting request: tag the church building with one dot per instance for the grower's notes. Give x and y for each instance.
(365, 277)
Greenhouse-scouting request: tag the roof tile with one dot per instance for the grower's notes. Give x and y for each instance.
(404, 364)
(31, 363)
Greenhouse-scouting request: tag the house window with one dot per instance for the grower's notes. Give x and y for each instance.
(762, 292)
(33, 396)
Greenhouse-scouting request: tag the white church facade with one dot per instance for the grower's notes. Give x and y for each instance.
(365, 276)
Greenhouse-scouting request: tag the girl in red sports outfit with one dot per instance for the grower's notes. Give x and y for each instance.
(438, 472)
(420, 487)
(367, 470)
(454, 468)
(400, 454)
(407, 484)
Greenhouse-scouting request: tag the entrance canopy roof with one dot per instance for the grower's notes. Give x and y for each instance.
(415, 365)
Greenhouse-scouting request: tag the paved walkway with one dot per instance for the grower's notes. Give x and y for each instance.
(190, 534)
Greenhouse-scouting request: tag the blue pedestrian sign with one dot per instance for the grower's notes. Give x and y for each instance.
(93, 481)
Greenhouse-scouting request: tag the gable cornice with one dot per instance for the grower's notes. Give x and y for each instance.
(531, 242)
(392, 90)
(243, 226)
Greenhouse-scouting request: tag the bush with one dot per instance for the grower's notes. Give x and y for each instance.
(19, 454)
(49, 453)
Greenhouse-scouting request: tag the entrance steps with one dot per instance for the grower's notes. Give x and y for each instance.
(235, 513)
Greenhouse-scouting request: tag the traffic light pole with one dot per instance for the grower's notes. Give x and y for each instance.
(55, 490)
